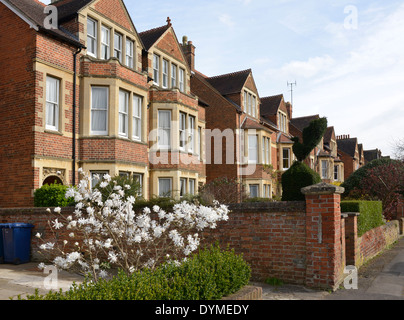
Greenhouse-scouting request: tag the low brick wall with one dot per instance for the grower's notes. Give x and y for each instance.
(38, 217)
(271, 236)
(376, 240)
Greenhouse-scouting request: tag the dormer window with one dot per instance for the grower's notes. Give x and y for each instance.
(250, 104)
(282, 122)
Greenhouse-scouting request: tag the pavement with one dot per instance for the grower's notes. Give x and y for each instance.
(380, 279)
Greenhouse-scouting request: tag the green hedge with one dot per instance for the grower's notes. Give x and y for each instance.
(53, 195)
(371, 214)
(297, 177)
(209, 275)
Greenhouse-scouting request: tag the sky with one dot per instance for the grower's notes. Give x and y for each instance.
(346, 57)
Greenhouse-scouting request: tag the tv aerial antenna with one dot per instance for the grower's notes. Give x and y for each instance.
(291, 84)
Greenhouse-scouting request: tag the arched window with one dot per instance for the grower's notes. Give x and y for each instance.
(52, 180)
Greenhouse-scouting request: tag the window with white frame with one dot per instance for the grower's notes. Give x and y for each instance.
(263, 148)
(52, 103)
(282, 122)
(286, 158)
(191, 134)
(183, 121)
(105, 42)
(249, 103)
(200, 143)
(192, 183)
(254, 106)
(252, 149)
(183, 187)
(254, 190)
(173, 76)
(268, 151)
(181, 80)
(129, 53)
(165, 187)
(156, 69)
(137, 117)
(123, 112)
(164, 129)
(165, 74)
(92, 27)
(336, 173)
(324, 169)
(138, 177)
(245, 101)
(118, 46)
(99, 110)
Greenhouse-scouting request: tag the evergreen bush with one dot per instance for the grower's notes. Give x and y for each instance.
(209, 275)
(52, 196)
(297, 177)
(371, 214)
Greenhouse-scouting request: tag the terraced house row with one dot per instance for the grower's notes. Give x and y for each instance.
(96, 93)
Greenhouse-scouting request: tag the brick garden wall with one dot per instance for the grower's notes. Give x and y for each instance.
(271, 236)
(307, 243)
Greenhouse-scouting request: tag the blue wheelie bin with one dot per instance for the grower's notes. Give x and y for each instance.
(2, 225)
(17, 242)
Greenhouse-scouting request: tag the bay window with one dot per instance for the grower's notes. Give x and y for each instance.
(252, 149)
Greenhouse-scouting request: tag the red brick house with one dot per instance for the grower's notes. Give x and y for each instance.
(84, 95)
(348, 148)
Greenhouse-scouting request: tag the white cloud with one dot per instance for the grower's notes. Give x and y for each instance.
(226, 20)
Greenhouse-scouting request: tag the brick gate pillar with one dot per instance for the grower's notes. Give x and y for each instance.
(325, 254)
(351, 238)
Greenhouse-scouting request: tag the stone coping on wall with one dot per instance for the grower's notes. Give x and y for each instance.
(248, 293)
(269, 206)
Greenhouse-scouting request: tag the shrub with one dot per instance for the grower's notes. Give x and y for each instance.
(371, 214)
(355, 179)
(224, 190)
(52, 196)
(209, 275)
(297, 177)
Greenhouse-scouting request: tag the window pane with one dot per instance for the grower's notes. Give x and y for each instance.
(156, 69)
(191, 134)
(105, 40)
(123, 112)
(137, 117)
(173, 76)
(165, 187)
(118, 46)
(99, 109)
(183, 187)
(181, 80)
(165, 73)
(92, 37)
(192, 186)
(129, 53)
(286, 156)
(182, 130)
(254, 191)
(164, 131)
(52, 103)
(253, 148)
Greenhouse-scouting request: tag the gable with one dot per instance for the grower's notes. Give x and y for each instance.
(168, 43)
(250, 84)
(116, 11)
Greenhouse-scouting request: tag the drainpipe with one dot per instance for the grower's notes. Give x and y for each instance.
(74, 114)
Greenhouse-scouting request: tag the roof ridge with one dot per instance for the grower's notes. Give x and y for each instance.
(231, 74)
(270, 97)
(154, 29)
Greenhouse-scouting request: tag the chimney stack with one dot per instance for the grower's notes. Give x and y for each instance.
(189, 51)
(289, 109)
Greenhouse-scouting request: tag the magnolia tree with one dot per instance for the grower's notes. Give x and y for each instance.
(106, 232)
